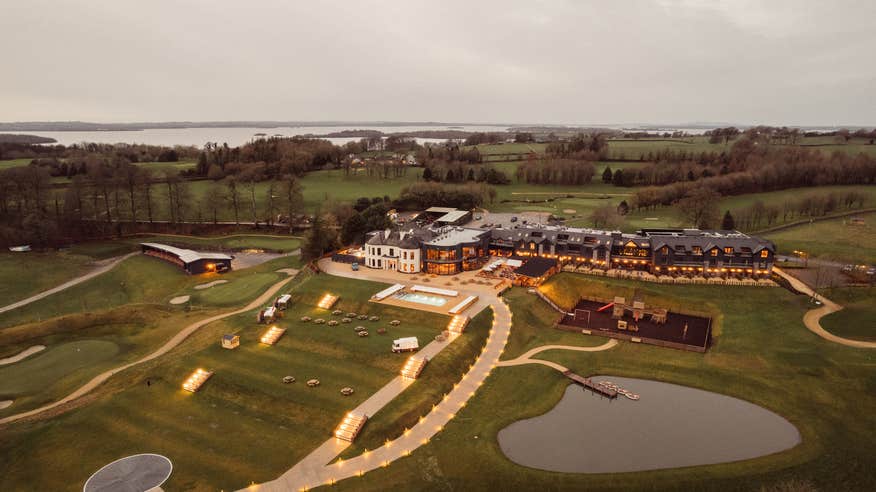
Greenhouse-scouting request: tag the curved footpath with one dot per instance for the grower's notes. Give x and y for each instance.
(314, 470)
(105, 266)
(527, 357)
(813, 317)
(167, 347)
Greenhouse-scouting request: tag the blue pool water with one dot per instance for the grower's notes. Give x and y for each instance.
(426, 299)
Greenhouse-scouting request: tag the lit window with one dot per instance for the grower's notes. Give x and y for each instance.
(764, 253)
(715, 252)
(728, 250)
(697, 250)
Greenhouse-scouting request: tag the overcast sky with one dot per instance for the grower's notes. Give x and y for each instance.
(802, 62)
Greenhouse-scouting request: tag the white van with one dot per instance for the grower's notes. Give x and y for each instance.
(408, 344)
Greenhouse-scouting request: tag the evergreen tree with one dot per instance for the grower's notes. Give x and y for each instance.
(728, 223)
(354, 229)
(471, 175)
(607, 175)
(427, 173)
(618, 179)
(319, 239)
(623, 208)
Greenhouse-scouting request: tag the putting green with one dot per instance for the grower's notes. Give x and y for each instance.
(55, 363)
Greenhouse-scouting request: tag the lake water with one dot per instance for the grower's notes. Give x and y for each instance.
(671, 426)
(236, 136)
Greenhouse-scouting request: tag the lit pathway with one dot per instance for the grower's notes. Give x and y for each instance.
(527, 357)
(813, 316)
(314, 470)
(105, 266)
(167, 347)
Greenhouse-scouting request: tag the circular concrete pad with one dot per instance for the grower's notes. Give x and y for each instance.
(137, 473)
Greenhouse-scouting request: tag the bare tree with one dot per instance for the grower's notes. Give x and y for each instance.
(233, 197)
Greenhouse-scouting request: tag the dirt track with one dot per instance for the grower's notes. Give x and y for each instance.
(813, 317)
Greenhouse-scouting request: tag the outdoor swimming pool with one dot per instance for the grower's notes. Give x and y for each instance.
(426, 299)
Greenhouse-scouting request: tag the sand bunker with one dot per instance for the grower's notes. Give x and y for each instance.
(180, 300)
(210, 284)
(288, 271)
(5, 403)
(569, 210)
(21, 355)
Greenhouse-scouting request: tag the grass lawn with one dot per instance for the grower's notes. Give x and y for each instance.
(834, 239)
(116, 247)
(858, 319)
(43, 271)
(161, 167)
(80, 346)
(670, 217)
(436, 380)
(139, 279)
(6, 164)
(621, 148)
(245, 424)
(235, 241)
(764, 355)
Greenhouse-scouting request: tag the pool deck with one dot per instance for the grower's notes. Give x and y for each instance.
(466, 284)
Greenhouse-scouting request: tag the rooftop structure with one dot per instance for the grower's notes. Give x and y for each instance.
(193, 262)
(453, 249)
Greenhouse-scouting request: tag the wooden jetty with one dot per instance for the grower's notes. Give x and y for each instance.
(587, 384)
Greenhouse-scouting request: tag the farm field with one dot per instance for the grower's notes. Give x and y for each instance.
(834, 239)
(763, 354)
(670, 217)
(162, 167)
(244, 425)
(10, 163)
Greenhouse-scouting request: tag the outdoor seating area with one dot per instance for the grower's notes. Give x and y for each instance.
(196, 380)
(675, 277)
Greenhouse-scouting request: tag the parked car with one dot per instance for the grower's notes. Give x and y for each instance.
(513, 219)
(355, 266)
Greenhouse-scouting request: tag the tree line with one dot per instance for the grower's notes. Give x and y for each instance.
(556, 171)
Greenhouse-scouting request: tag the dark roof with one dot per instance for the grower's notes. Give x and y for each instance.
(405, 240)
(536, 267)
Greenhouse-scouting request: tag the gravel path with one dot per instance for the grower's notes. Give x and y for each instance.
(813, 316)
(170, 344)
(104, 266)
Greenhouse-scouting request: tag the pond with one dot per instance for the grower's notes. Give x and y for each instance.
(670, 426)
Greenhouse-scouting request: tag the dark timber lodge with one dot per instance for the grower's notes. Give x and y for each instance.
(676, 252)
(193, 262)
